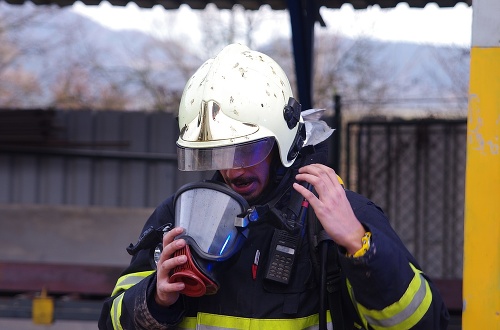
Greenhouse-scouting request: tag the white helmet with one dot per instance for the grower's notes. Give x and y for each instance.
(232, 111)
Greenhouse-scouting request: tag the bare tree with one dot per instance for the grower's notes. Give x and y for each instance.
(15, 82)
(349, 67)
(75, 68)
(359, 76)
(71, 91)
(220, 27)
(58, 66)
(75, 89)
(158, 72)
(77, 74)
(18, 86)
(454, 63)
(341, 66)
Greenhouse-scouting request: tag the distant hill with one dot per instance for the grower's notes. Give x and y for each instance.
(59, 41)
(392, 77)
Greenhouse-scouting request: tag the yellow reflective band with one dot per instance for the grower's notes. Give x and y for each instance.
(205, 321)
(406, 312)
(126, 281)
(187, 323)
(356, 305)
(116, 312)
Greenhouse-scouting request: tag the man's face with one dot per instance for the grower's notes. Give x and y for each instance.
(251, 181)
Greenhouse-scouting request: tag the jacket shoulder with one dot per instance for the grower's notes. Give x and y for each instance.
(359, 201)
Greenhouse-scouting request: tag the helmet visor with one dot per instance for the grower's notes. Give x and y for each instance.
(226, 157)
(207, 211)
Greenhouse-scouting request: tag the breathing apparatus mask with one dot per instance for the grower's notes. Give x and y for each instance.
(215, 226)
(215, 220)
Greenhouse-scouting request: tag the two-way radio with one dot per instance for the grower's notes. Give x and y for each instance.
(285, 244)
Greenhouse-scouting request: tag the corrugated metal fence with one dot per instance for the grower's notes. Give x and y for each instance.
(90, 158)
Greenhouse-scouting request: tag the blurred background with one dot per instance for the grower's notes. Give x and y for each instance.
(88, 126)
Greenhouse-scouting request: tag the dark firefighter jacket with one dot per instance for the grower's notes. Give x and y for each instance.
(384, 289)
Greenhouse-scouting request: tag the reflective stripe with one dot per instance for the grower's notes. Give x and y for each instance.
(187, 323)
(126, 281)
(356, 305)
(406, 312)
(205, 321)
(116, 312)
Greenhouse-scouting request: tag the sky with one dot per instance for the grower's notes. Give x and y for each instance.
(432, 24)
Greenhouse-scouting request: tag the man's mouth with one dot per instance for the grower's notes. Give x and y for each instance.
(242, 183)
(242, 186)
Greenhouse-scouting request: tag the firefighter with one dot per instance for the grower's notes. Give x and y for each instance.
(274, 240)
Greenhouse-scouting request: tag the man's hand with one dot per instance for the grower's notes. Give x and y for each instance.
(331, 206)
(167, 293)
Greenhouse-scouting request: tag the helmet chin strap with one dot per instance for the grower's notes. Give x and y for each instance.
(298, 142)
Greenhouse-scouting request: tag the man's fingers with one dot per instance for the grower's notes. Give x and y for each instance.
(306, 193)
(165, 268)
(169, 245)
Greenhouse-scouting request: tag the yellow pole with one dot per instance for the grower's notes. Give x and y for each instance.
(481, 278)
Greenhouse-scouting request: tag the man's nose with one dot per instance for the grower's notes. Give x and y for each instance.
(233, 173)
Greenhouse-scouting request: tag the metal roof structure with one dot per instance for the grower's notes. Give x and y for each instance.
(303, 16)
(250, 4)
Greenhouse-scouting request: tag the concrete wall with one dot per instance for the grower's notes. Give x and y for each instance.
(64, 235)
(67, 234)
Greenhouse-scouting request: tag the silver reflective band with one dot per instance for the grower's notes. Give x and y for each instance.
(227, 157)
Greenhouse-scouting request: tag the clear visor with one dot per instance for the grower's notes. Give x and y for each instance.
(207, 211)
(226, 157)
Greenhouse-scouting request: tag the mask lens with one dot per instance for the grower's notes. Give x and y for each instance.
(207, 211)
